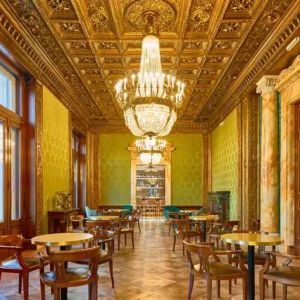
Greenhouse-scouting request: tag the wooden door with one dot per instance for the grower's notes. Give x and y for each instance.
(297, 185)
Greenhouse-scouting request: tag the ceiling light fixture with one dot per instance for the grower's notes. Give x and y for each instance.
(150, 150)
(150, 98)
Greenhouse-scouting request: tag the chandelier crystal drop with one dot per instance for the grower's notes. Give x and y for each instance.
(150, 98)
(150, 150)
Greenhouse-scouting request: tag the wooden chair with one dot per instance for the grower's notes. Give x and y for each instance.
(136, 216)
(287, 274)
(77, 223)
(20, 257)
(213, 270)
(172, 216)
(217, 229)
(123, 227)
(105, 240)
(185, 229)
(65, 277)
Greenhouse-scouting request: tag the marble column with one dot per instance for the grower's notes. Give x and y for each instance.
(269, 181)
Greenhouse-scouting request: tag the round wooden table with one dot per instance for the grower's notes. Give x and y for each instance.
(62, 240)
(103, 218)
(204, 219)
(251, 240)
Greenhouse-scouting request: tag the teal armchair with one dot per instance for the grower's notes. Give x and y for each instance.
(90, 212)
(170, 208)
(129, 207)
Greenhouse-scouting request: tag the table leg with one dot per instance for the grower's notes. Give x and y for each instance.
(204, 231)
(64, 291)
(251, 273)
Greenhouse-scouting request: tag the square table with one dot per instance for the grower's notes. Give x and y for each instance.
(62, 240)
(251, 240)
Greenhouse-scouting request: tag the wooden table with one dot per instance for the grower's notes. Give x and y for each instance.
(62, 240)
(251, 240)
(103, 218)
(204, 219)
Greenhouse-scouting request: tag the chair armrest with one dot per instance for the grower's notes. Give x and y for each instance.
(229, 254)
(6, 247)
(285, 255)
(27, 245)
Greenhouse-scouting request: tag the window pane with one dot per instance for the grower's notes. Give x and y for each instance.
(8, 88)
(15, 174)
(1, 172)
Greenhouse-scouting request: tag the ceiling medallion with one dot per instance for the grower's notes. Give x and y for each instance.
(150, 150)
(150, 98)
(135, 12)
(200, 16)
(99, 15)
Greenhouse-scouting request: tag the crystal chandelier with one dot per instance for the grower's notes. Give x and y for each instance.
(150, 150)
(150, 98)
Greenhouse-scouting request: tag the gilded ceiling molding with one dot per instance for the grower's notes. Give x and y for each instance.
(288, 76)
(34, 61)
(256, 67)
(266, 84)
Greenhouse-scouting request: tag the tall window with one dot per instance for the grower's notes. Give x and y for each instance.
(11, 122)
(79, 169)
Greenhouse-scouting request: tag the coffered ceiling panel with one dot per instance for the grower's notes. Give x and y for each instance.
(206, 43)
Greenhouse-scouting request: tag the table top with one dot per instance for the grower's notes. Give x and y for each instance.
(62, 239)
(118, 210)
(103, 218)
(252, 239)
(204, 218)
(187, 211)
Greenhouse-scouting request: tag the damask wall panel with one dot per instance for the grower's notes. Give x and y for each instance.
(225, 160)
(56, 150)
(186, 168)
(115, 168)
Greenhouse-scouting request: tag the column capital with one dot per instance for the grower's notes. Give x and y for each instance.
(266, 84)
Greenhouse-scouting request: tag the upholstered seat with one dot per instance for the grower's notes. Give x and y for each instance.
(71, 274)
(13, 263)
(289, 275)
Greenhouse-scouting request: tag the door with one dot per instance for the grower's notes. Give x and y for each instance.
(297, 185)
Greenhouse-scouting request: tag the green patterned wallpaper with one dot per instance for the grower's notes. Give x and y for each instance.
(55, 150)
(186, 168)
(115, 168)
(225, 160)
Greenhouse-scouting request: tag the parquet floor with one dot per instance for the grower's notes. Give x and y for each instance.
(150, 272)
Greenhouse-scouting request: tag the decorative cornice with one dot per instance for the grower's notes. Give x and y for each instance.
(289, 75)
(266, 84)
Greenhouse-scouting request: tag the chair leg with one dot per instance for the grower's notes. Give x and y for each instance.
(230, 287)
(139, 226)
(169, 229)
(274, 289)
(284, 290)
(95, 290)
(183, 249)
(191, 285)
(111, 273)
(245, 288)
(43, 297)
(125, 239)
(119, 240)
(20, 283)
(174, 243)
(56, 294)
(219, 288)
(25, 285)
(132, 239)
(262, 288)
(209, 289)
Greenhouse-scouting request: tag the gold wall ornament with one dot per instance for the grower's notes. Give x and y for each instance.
(60, 5)
(63, 201)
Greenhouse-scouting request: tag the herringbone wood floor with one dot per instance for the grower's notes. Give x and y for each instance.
(150, 272)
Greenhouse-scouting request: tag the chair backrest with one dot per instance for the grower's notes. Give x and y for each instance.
(174, 215)
(228, 226)
(76, 222)
(103, 237)
(10, 240)
(90, 212)
(202, 251)
(102, 224)
(129, 207)
(184, 225)
(59, 258)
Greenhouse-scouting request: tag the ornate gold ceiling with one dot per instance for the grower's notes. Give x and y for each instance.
(210, 44)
